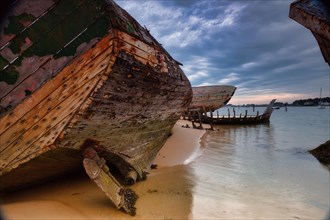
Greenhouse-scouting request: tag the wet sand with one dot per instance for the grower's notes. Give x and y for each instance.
(182, 147)
(164, 195)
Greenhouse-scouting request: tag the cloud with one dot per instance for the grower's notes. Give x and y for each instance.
(230, 14)
(199, 72)
(255, 47)
(232, 77)
(175, 26)
(197, 76)
(265, 98)
(249, 64)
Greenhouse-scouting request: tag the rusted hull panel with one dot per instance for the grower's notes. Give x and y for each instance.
(314, 15)
(110, 83)
(210, 98)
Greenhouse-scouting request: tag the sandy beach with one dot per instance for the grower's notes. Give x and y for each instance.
(198, 176)
(76, 197)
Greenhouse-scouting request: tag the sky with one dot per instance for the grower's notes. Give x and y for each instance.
(250, 44)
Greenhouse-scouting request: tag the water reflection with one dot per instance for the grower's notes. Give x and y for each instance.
(241, 174)
(244, 172)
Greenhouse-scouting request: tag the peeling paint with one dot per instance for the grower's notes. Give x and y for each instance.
(16, 23)
(9, 76)
(93, 73)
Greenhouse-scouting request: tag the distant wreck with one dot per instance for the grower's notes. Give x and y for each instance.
(211, 98)
(82, 83)
(314, 15)
(210, 118)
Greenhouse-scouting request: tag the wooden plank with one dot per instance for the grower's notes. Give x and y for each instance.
(136, 42)
(121, 197)
(37, 12)
(42, 127)
(34, 80)
(36, 148)
(139, 54)
(142, 51)
(52, 100)
(70, 71)
(38, 130)
(20, 145)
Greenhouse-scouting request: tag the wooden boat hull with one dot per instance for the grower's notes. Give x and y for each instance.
(110, 86)
(241, 120)
(314, 15)
(236, 120)
(211, 98)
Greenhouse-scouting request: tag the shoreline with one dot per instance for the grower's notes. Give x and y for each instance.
(226, 182)
(182, 147)
(77, 197)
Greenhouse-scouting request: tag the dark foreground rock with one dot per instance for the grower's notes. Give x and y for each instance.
(322, 153)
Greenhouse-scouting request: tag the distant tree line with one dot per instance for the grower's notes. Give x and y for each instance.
(300, 102)
(310, 101)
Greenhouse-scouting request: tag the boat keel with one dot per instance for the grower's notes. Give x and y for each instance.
(98, 171)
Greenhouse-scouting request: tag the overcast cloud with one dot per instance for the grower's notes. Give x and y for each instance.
(252, 45)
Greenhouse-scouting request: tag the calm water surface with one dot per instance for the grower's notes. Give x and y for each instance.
(242, 172)
(264, 171)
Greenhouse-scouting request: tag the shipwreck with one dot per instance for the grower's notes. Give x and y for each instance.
(314, 15)
(83, 84)
(211, 97)
(210, 118)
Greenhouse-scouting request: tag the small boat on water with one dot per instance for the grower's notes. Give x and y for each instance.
(211, 98)
(234, 120)
(83, 84)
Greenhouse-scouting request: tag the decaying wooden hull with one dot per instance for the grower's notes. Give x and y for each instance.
(77, 74)
(314, 15)
(237, 120)
(210, 98)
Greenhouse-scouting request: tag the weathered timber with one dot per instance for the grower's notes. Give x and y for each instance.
(76, 73)
(98, 171)
(314, 15)
(211, 97)
(222, 120)
(208, 99)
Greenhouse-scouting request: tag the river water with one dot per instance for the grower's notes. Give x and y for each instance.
(250, 172)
